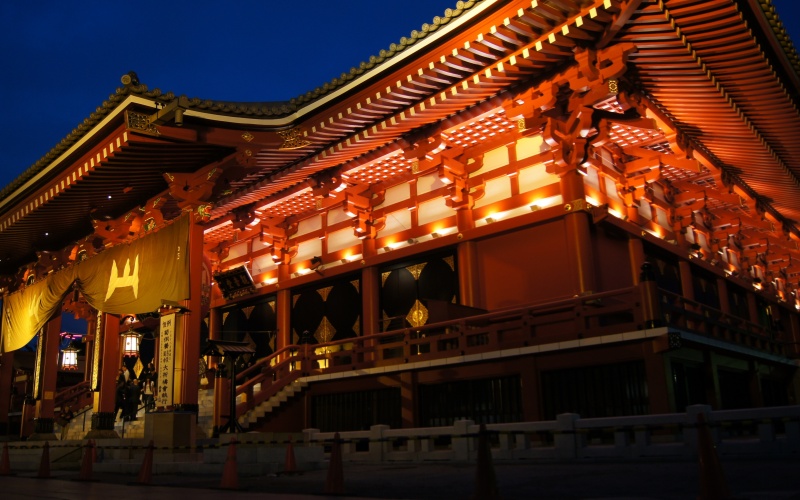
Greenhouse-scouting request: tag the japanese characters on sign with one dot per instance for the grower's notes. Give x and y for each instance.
(166, 360)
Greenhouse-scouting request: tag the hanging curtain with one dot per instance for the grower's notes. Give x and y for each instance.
(133, 278)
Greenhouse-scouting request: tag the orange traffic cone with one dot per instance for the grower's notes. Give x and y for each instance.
(5, 463)
(335, 483)
(485, 480)
(713, 485)
(291, 464)
(230, 476)
(86, 463)
(146, 470)
(44, 465)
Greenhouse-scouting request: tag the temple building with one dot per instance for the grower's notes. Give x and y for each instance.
(522, 209)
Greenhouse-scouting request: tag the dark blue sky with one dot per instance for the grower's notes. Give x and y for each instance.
(61, 60)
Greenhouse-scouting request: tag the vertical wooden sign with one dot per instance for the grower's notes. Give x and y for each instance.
(166, 360)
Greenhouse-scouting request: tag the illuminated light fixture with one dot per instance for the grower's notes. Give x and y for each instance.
(535, 208)
(411, 241)
(344, 261)
(435, 234)
(387, 248)
(130, 342)
(489, 220)
(69, 357)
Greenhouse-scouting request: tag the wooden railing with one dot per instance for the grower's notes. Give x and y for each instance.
(271, 374)
(563, 320)
(698, 318)
(76, 396)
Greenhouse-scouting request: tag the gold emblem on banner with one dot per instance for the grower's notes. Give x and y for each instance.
(127, 279)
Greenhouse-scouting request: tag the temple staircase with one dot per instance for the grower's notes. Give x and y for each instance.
(257, 413)
(133, 429)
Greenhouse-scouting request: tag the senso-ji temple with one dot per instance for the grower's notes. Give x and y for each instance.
(520, 210)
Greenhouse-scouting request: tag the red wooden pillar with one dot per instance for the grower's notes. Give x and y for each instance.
(658, 385)
(370, 300)
(637, 257)
(579, 239)
(408, 398)
(722, 291)
(368, 247)
(468, 277)
(88, 347)
(103, 417)
(464, 219)
(45, 405)
(222, 398)
(188, 344)
(284, 316)
(687, 285)
(214, 332)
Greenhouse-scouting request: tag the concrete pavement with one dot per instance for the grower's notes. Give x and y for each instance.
(646, 480)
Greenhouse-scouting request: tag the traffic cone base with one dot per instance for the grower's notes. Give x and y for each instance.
(335, 482)
(713, 485)
(485, 479)
(146, 470)
(290, 467)
(86, 462)
(230, 474)
(5, 462)
(44, 465)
